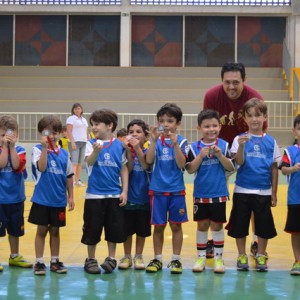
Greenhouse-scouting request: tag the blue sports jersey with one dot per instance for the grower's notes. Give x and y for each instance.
(138, 184)
(51, 185)
(166, 176)
(210, 179)
(12, 188)
(255, 172)
(293, 153)
(104, 175)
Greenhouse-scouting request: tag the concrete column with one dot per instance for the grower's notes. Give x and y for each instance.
(125, 38)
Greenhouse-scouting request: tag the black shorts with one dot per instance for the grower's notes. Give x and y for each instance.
(292, 221)
(215, 212)
(243, 206)
(138, 222)
(47, 215)
(103, 213)
(12, 219)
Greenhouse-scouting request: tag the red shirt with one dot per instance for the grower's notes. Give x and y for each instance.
(230, 111)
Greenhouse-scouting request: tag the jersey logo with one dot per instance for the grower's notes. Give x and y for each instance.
(106, 156)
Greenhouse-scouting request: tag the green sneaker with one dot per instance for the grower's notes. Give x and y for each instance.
(1, 268)
(242, 263)
(125, 263)
(295, 269)
(175, 266)
(199, 265)
(19, 261)
(154, 266)
(261, 263)
(219, 266)
(139, 263)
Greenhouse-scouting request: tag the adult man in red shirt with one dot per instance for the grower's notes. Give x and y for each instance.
(228, 99)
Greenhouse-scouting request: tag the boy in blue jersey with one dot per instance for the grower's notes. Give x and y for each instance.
(105, 198)
(256, 155)
(53, 177)
(12, 190)
(290, 166)
(167, 153)
(137, 209)
(209, 159)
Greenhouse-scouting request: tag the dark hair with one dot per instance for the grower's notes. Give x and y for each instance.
(8, 122)
(171, 110)
(50, 122)
(64, 128)
(207, 114)
(233, 67)
(105, 116)
(259, 105)
(296, 121)
(121, 132)
(75, 105)
(140, 123)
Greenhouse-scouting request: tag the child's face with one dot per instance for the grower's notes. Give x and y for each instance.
(210, 129)
(101, 130)
(170, 124)
(137, 132)
(296, 132)
(53, 135)
(255, 120)
(64, 133)
(4, 133)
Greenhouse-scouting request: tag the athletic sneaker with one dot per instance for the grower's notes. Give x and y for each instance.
(210, 249)
(175, 266)
(58, 267)
(19, 261)
(91, 266)
(138, 263)
(295, 269)
(219, 266)
(125, 263)
(1, 268)
(261, 263)
(109, 264)
(242, 263)
(39, 269)
(199, 265)
(79, 183)
(154, 266)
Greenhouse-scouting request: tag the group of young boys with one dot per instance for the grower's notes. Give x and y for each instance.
(131, 187)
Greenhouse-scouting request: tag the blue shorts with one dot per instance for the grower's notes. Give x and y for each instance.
(168, 207)
(12, 219)
(78, 155)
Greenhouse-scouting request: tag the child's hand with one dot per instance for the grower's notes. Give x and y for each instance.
(153, 133)
(173, 137)
(274, 201)
(296, 167)
(44, 141)
(217, 151)
(97, 146)
(135, 143)
(243, 139)
(123, 199)
(204, 152)
(71, 204)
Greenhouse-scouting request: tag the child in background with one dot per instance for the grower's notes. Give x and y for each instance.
(64, 141)
(121, 134)
(105, 197)
(52, 174)
(167, 153)
(137, 209)
(256, 154)
(209, 159)
(290, 166)
(12, 189)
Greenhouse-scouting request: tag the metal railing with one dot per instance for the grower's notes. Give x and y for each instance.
(280, 117)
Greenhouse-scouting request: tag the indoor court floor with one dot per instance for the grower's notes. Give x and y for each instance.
(18, 283)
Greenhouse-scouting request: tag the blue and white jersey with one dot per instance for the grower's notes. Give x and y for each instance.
(210, 179)
(166, 176)
(12, 188)
(255, 174)
(104, 175)
(51, 185)
(293, 154)
(138, 184)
